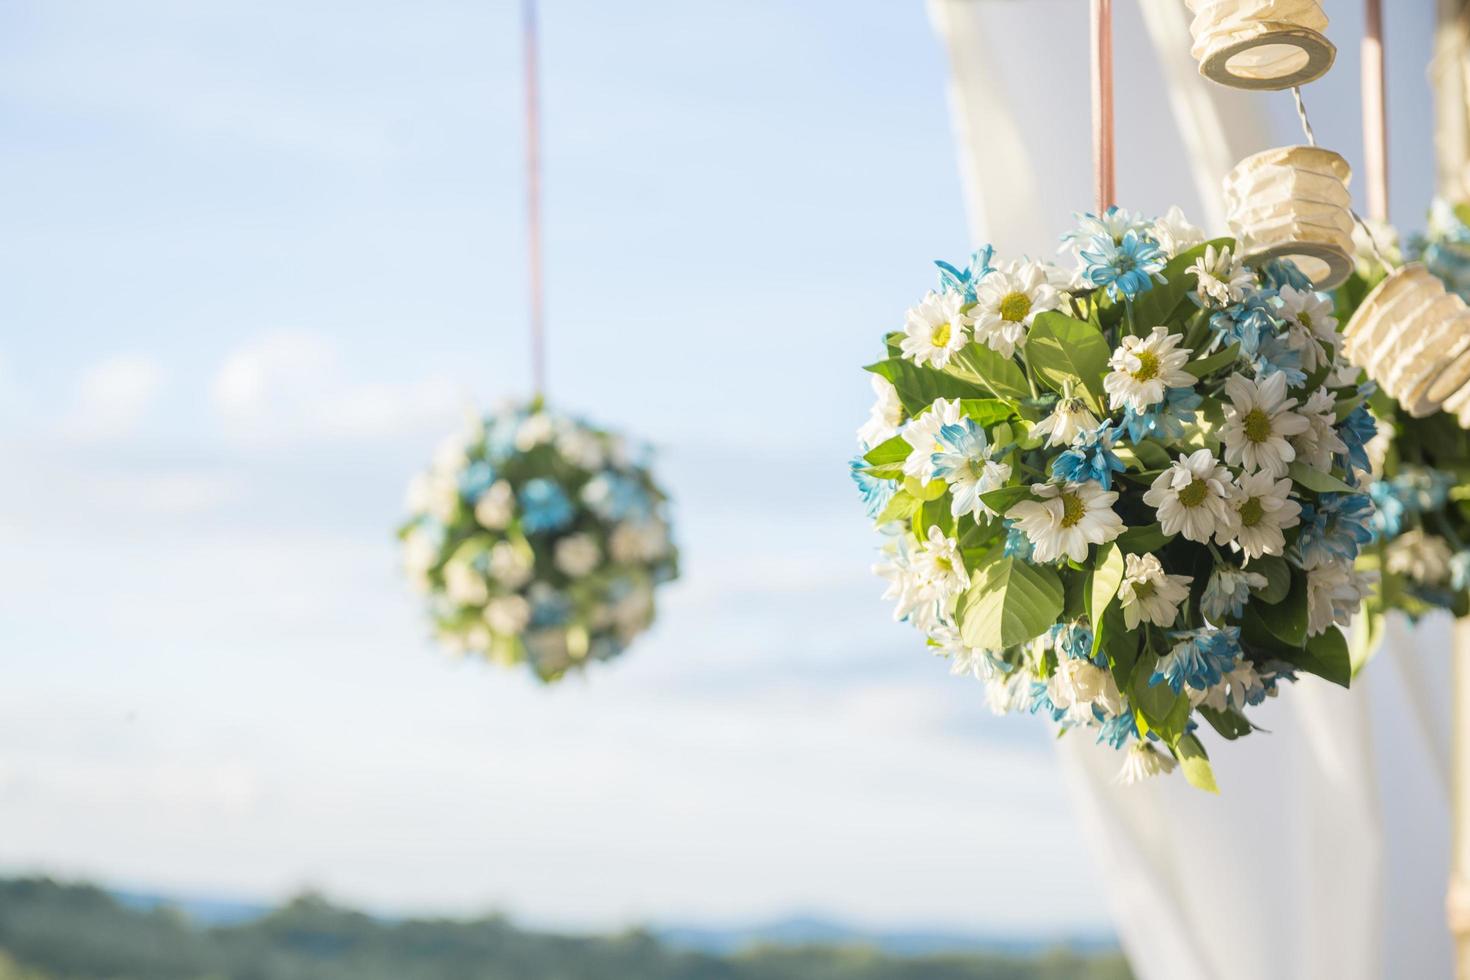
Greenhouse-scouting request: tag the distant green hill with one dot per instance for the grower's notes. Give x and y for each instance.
(53, 931)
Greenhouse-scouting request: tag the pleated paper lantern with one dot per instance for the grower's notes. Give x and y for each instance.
(1293, 203)
(1260, 44)
(1413, 339)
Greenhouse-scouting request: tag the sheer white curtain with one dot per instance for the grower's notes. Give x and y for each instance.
(1324, 855)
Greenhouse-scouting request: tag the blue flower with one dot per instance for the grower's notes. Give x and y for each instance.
(614, 496)
(1389, 509)
(476, 479)
(1273, 355)
(544, 507)
(876, 493)
(1227, 592)
(1164, 421)
(1248, 322)
(961, 463)
(1337, 526)
(1356, 431)
(1072, 639)
(1283, 272)
(1090, 458)
(1200, 658)
(1124, 268)
(1041, 702)
(550, 608)
(1017, 544)
(1116, 730)
(1112, 225)
(964, 281)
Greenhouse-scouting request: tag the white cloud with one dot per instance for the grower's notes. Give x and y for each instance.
(289, 385)
(113, 396)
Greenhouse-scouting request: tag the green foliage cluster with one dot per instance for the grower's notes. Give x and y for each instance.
(51, 931)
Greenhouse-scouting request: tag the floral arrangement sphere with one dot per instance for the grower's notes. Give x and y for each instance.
(1130, 495)
(1420, 467)
(537, 538)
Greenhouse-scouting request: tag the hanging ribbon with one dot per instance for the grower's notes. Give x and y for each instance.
(1375, 112)
(1102, 104)
(533, 202)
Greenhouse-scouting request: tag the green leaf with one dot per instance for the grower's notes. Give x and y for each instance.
(987, 411)
(1164, 711)
(1120, 644)
(1011, 602)
(1196, 764)
(1287, 619)
(919, 387)
(1106, 577)
(1005, 498)
(1213, 363)
(902, 507)
(1326, 655)
(1316, 480)
(1001, 376)
(1061, 349)
(1230, 723)
(1151, 455)
(1162, 305)
(932, 490)
(1278, 578)
(895, 450)
(1142, 540)
(935, 513)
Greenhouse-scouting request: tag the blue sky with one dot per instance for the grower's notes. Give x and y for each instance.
(261, 256)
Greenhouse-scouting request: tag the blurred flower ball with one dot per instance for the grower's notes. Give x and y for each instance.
(538, 538)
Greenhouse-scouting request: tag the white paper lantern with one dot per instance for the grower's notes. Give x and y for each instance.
(1260, 44)
(1413, 339)
(1293, 203)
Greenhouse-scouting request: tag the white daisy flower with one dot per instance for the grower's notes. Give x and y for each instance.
(886, 415)
(535, 430)
(1319, 442)
(1191, 498)
(496, 506)
(509, 565)
(1221, 279)
(939, 566)
(1259, 421)
(1070, 417)
(1227, 592)
(934, 330)
(1143, 761)
(1149, 594)
(464, 584)
(1334, 593)
(905, 584)
(1379, 237)
(1081, 683)
(581, 447)
(638, 541)
(1175, 234)
(1234, 690)
(1145, 368)
(1006, 302)
(1377, 448)
(576, 555)
(435, 493)
(1311, 325)
(420, 553)
(1067, 519)
(1263, 508)
(1008, 693)
(1424, 558)
(507, 614)
(923, 435)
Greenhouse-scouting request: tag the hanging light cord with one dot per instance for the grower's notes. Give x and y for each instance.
(533, 203)
(1301, 113)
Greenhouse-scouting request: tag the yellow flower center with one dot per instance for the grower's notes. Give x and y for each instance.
(1073, 509)
(944, 565)
(941, 335)
(1148, 365)
(1257, 425)
(1194, 494)
(1251, 512)
(1143, 590)
(1305, 319)
(1014, 307)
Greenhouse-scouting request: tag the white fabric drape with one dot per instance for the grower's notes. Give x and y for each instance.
(1323, 857)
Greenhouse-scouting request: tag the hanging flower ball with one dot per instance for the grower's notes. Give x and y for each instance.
(538, 538)
(1420, 458)
(1293, 203)
(1260, 44)
(1128, 496)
